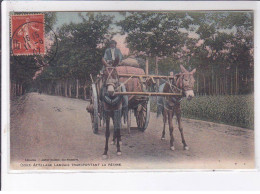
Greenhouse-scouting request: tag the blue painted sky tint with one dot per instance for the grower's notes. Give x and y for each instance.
(68, 17)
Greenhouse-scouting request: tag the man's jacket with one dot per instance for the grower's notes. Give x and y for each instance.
(108, 54)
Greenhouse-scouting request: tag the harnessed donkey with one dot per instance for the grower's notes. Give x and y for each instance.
(114, 106)
(182, 82)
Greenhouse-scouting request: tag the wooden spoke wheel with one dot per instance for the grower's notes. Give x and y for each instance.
(94, 112)
(142, 115)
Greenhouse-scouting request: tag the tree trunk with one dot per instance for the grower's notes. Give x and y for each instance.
(210, 87)
(216, 80)
(58, 88)
(197, 83)
(21, 89)
(204, 81)
(65, 88)
(219, 86)
(85, 90)
(49, 88)
(61, 93)
(222, 86)
(55, 90)
(11, 90)
(77, 89)
(212, 81)
(15, 90)
(236, 81)
(156, 71)
(69, 89)
(231, 84)
(223, 82)
(18, 89)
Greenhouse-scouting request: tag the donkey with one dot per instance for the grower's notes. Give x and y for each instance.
(182, 82)
(114, 106)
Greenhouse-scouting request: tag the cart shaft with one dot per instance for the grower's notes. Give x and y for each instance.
(148, 93)
(146, 76)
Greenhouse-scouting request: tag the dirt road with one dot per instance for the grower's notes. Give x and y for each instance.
(51, 132)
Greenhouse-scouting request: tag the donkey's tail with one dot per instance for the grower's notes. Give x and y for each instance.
(159, 109)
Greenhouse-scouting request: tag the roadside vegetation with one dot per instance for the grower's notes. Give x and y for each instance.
(236, 110)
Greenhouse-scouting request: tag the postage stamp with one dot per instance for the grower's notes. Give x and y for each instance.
(28, 34)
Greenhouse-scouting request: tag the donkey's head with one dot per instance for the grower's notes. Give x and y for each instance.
(111, 77)
(186, 82)
(111, 80)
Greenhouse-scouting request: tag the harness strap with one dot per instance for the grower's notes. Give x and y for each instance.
(167, 105)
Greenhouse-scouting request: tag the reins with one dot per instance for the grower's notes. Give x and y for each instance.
(177, 85)
(110, 75)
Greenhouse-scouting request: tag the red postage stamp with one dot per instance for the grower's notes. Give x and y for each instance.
(27, 34)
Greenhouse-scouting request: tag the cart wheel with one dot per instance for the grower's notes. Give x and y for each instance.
(94, 113)
(142, 114)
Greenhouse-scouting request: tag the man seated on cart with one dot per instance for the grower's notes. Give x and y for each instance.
(112, 57)
(112, 54)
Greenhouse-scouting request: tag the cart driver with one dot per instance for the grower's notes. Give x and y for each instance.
(111, 54)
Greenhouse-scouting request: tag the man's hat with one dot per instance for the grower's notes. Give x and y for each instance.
(112, 42)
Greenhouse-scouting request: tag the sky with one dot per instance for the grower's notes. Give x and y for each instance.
(68, 17)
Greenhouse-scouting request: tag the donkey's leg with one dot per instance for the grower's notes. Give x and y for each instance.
(170, 116)
(117, 126)
(178, 115)
(129, 121)
(164, 124)
(114, 137)
(113, 142)
(107, 137)
(118, 142)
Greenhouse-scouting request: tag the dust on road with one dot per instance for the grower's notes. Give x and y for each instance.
(52, 132)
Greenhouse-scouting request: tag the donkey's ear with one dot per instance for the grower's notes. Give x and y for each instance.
(183, 69)
(193, 71)
(166, 87)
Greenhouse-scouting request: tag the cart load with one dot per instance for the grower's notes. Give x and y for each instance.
(131, 84)
(130, 61)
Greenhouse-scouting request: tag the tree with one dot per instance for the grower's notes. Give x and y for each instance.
(81, 47)
(228, 41)
(154, 34)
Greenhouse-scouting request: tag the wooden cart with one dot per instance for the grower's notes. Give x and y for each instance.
(139, 91)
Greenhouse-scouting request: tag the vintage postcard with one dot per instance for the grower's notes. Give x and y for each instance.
(131, 90)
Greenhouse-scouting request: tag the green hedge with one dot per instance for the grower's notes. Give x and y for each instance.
(237, 110)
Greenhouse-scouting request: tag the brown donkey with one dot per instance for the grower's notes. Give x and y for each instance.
(169, 105)
(114, 106)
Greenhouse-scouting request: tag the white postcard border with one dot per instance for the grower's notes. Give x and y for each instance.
(131, 180)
